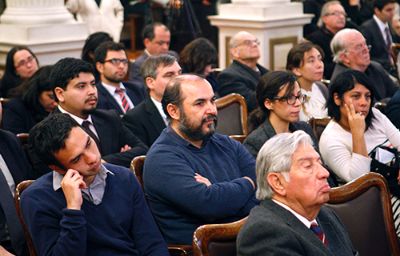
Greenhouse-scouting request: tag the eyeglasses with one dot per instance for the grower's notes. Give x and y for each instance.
(25, 62)
(360, 47)
(116, 62)
(249, 42)
(291, 100)
(336, 13)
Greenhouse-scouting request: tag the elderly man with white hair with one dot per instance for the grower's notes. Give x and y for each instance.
(352, 52)
(291, 219)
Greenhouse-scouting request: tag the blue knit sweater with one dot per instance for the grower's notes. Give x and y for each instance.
(121, 225)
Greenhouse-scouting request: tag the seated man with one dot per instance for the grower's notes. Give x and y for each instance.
(291, 219)
(84, 207)
(191, 175)
(147, 120)
(243, 74)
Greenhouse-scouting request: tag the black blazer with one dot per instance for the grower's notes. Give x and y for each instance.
(16, 117)
(145, 121)
(107, 101)
(239, 78)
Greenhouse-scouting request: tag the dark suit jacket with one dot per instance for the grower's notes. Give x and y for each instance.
(273, 230)
(374, 37)
(20, 169)
(145, 121)
(392, 109)
(107, 101)
(239, 78)
(16, 117)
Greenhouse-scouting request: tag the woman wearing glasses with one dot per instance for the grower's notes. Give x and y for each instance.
(279, 102)
(21, 64)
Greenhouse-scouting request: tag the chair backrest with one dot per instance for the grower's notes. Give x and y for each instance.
(318, 125)
(232, 115)
(239, 138)
(23, 138)
(137, 168)
(217, 239)
(364, 207)
(17, 197)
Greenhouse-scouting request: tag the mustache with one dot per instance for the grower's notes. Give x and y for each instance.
(210, 117)
(91, 98)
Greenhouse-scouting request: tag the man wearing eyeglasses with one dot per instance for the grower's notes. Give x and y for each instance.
(243, 74)
(377, 32)
(351, 51)
(112, 65)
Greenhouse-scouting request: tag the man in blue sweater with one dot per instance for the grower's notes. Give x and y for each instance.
(85, 207)
(193, 176)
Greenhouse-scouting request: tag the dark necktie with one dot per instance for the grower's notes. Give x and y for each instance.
(14, 226)
(319, 233)
(125, 103)
(98, 2)
(389, 44)
(86, 126)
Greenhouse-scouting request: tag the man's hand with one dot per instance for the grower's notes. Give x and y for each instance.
(202, 179)
(71, 184)
(125, 148)
(251, 181)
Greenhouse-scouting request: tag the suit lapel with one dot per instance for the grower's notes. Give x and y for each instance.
(11, 162)
(108, 98)
(154, 116)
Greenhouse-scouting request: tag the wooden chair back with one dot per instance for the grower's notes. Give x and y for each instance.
(364, 207)
(239, 138)
(17, 198)
(232, 115)
(217, 239)
(318, 125)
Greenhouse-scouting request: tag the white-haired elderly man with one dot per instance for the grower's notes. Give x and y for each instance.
(291, 219)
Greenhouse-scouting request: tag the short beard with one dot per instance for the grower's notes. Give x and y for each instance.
(196, 133)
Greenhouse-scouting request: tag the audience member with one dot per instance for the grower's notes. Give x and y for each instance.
(37, 101)
(352, 52)
(91, 43)
(243, 75)
(279, 102)
(99, 16)
(305, 61)
(14, 169)
(377, 34)
(356, 129)
(358, 10)
(112, 65)
(21, 64)
(312, 7)
(85, 207)
(332, 19)
(199, 57)
(210, 176)
(156, 40)
(291, 218)
(147, 120)
(76, 93)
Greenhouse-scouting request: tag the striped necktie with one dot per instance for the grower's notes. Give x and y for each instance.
(124, 101)
(319, 233)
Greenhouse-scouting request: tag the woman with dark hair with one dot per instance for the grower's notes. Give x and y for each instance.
(305, 60)
(199, 57)
(21, 114)
(279, 102)
(21, 64)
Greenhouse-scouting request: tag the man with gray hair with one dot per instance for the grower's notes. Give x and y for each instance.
(291, 219)
(352, 52)
(243, 74)
(147, 120)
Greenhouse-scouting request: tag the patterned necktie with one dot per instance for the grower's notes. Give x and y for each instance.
(319, 233)
(86, 126)
(125, 103)
(388, 39)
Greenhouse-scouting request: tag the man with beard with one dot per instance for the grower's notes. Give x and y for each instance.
(112, 65)
(193, 176)
(76, 93)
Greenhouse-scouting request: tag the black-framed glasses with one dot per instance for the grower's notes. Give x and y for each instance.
(291, 100)
(116, 62)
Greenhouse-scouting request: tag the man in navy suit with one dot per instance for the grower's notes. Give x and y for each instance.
(112, 65)
(148, 119)
(291, 219)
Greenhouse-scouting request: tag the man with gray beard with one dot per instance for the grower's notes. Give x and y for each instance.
(193, 176)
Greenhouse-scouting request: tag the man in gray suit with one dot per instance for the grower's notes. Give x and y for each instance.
(291, 219)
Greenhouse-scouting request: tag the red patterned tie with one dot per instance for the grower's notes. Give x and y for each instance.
(319, 233)
(125, 103)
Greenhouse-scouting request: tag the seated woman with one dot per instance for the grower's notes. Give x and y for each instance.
(21, 114)
(279, 102)
(305, 60)
(21, 64)
(199, 57)
(355, 130)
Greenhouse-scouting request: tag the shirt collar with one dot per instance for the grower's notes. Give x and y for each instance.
(382, 26)
(76, 118)
(160, 109)
(303, 220)
(111, 89)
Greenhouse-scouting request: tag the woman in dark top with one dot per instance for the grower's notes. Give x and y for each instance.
(21, 64)
(21, 114)
(279, 102)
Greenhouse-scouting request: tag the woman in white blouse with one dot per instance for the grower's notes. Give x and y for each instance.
(305, 60)
(355, 130)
